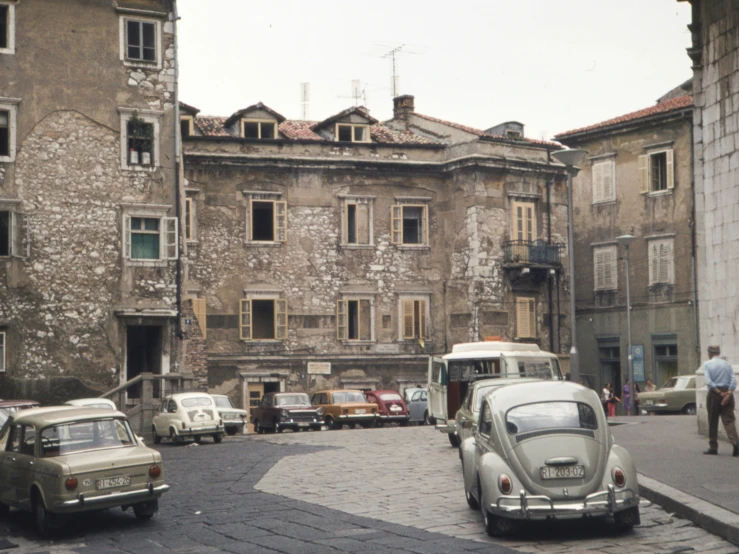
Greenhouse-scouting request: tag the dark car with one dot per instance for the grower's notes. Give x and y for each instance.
(7, 407)
(286, 410)
(391, 407)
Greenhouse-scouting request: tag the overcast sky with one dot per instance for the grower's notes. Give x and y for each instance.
(553, 65)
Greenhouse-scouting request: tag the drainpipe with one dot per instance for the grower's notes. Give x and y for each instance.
(446, 321)
(549, 243)
(693, 243)
(177, 156)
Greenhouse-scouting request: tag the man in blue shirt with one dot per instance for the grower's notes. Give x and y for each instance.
(721, 384)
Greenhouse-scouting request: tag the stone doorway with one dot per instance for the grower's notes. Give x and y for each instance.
(143, 355)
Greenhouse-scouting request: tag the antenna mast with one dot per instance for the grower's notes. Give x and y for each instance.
(395, 83)
(305, 98)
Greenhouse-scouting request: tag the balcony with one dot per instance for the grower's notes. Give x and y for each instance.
(531, 253)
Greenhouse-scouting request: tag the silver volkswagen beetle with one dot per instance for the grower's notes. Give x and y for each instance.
(543, 450)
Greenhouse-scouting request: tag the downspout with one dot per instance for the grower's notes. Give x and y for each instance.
(177, 156)
(549, 243)
(693, 242)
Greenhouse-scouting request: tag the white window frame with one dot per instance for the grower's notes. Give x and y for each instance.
(168, 234)
(346, 201)
(189, 218)
(246, 322)
(190, 120)
(526, 329)
(279, 217)
(645, 171)
(147, 116)
(124, 45)
(16, 237)
(10, 105)
(342, 314)
(661, 256)
(605, 267)
(260, 122)
(424, 323)
(396, 222)
(353, 127)
(602, 171)
(10, 48)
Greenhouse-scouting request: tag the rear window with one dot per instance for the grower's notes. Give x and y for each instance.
(68, 438)
(196, 401)
(390, 396)
(550, 415)
(221, 402)
(678, 383)
(339, 397)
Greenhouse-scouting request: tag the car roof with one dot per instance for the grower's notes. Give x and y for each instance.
(88, 401)
(384, 391)
(53, 415)
(338, 390)
(180, 395)
(17, 403)
(505, 398)
(502, 382)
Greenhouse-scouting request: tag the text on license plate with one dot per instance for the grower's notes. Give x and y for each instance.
(360, 411)
(563, 472)
(113, 482)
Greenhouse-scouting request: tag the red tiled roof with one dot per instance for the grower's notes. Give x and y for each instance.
(667, 106)
(299, 130)
(386, 135)
(211, 126)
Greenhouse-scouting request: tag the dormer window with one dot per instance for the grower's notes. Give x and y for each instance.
(514, 135)
(258, 129)
(186, 126)
(352, 133)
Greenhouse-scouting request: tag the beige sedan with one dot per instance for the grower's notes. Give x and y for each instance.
(63, 460)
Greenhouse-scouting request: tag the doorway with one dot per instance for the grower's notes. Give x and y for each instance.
(255, 393)
(143, 355)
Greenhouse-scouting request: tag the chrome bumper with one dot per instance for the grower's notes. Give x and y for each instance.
(603, 503)
(347, 417)
(448, 428)
(200, 431)
(391, 417)
(114, 499)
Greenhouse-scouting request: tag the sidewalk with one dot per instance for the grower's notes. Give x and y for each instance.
(674, 472)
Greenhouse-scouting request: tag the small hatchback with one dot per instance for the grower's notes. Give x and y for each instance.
(187, 414)
(344, 406)
(390, 407)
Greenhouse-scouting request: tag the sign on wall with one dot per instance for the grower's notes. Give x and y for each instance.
(637, 358)
(319, 368)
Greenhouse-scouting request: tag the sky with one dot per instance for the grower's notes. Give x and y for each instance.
(553, 65)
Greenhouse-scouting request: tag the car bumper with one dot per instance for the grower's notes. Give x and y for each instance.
(200, 431)
(660, 408)
(346, 418)
(393, 417)
(295, 425)
(234, 425)
(449, 428)
(110, 500)
(602, 503)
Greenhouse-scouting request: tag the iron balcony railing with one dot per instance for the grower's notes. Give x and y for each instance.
(532, 252)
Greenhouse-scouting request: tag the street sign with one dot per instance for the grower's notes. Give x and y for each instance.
(320, 368)
(637, 359)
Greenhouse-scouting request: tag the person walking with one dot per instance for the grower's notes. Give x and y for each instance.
(612, 400)
(605, 395)
(721, 384)
(627, 398)
(649, 387)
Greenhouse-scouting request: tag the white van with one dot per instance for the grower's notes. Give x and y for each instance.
(450, 375)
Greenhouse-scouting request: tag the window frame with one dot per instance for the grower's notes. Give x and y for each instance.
(609, 265)
(532, 329)
(530, 229)
(669, 263)
(407, 308)
(190, 120)
(189, 216)
(645, 171)
(123, 41)
(396, 225)
(147, 116)
(600, 169)
(279, 230)
(342, 318)
(280, 308)
(169, 246)
(10, 105)
(16, 236)
(260, 122)
(353, 127)
(9, 48)
(3, 351)
(351, 200)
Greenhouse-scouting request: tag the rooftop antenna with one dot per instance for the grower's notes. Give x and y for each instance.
(395, 80)
(305, 98)
(358, 92)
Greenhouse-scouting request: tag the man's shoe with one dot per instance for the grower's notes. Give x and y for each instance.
(715, 452)
(735, 453)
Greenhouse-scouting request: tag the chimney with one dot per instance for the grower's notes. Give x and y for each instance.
(402, 106)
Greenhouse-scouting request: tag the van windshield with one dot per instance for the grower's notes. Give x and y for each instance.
(546, 368)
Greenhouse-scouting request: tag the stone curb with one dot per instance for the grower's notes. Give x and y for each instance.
(710, 517)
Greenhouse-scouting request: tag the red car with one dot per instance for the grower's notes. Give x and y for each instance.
(391, 407)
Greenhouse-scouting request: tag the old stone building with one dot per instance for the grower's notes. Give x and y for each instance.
(636, 180)
(343, 252)
(88, 195)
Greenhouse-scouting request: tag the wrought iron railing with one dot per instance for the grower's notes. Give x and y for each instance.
(532, 252)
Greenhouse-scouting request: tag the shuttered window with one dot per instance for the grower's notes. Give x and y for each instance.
(605, 267)
(198, 306)
(604, 181)
(661, 262)
(263, 319)
(657, 171)
(414, 315)
(354, 319)
(525, 317)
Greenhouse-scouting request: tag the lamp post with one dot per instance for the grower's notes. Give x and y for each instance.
(626, 240)
(569, 157)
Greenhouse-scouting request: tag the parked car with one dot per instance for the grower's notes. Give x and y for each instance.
(345, 406)
(286, 410)
(543, 450)
(409, 392)
(187, 414)
(58, 461)
(417, 406)
(102, 403)
(8, 407)
(464, 423)
(233, 419)
(677, 396)
(390, 407)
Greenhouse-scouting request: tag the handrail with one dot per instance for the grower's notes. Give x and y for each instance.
(126, 385)
(140, 377)
(532, 252)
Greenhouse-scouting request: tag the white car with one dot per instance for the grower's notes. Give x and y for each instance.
(102, 403)
(234, 419)
(187, 414)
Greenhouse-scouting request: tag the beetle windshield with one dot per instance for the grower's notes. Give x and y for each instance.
(222, 402)
(78, 436)
(550, 415)
(348, 397)
(196, 401)
(292, 400)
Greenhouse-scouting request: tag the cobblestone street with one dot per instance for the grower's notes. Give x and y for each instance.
(379, 490)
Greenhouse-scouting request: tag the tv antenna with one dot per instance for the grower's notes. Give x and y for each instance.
(304, 99)
(358, 92)
(395, 79)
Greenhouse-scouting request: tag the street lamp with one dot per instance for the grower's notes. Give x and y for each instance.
(569, 157)
(626, 240)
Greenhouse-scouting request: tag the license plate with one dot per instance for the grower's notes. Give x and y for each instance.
(649, 402)
(303, 424)
(113, 482)
(360, 411)
(395, 408)
(562, 472)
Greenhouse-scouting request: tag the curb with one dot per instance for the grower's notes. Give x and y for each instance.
(710, 517)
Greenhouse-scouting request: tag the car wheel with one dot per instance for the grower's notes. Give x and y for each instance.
(331, 424)
(42, 518)
(689, 409)
(157, 438)
(174, 438)
(217, 438)
(453, 440)
(626, 519)
(145, 510)
(258, 427)
(198, 439)
(428, 420)
(496, 526)
(404, 423)
(231, 431)
(278, 428)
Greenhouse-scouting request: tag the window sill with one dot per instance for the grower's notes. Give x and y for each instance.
(146, 263)
(653, 193)
(262, 341)
(358, 246)
(413, 247)
(350, 342)
(142, 64)
(7, 159)
(144, 168)
(268, 244)
(604, 202)
(8, 51)
(194, 242)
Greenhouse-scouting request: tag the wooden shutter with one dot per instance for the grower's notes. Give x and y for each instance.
(425, 224)
(609, 268)
(127, 237)
(281, 221)
(665, 262)
(345, 223)
(188, 218)
(15, 239)
(245, 319)
(281, 319)
(198, 306)
(171, 238)
(608, 181)
(599, 270)
(598, 182)
(670, 155)
(407, 319)
(644, 174)
(653, 262)
(341, 322)
(422, 318)
(396, 224)
(525, 318)
(362, 223)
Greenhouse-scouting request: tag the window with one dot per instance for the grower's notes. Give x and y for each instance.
(257, 129)
(267, 221)
(550, 416)
(189, 215)
(7, 128)
(4, 133)
(352, 133)
(409, 224)
(665, 362)
(354, 319)
(523, 221)
(604, 262)
(357, 221)
(11, 235)
(656, 171)
(139, 139)
(140, 41)
(525, 317)
(263, 319)
(609, 355)
(661, 262)
(149, 237)
(414, 316)
(186, 126)
(7, 28)
(604, 179)
(485, 426)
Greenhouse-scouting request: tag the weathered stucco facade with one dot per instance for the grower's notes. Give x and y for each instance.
(406, 230)
(636, 180)
(79, 312)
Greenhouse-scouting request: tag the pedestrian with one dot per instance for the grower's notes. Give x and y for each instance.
(612, 401)
(649, 387)
(721, 384)
(627, 398)
(605, 395)
(637, 390)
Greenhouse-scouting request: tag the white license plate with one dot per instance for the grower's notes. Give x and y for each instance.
(562, 472)
(395, 408)
(360, 411)
(649, 402)
(303, 424)
(113, 482)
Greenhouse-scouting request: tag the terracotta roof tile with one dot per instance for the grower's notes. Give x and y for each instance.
(667, 106)
(299, 130)
(386, 135)
(211, 126)
(482, 134)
